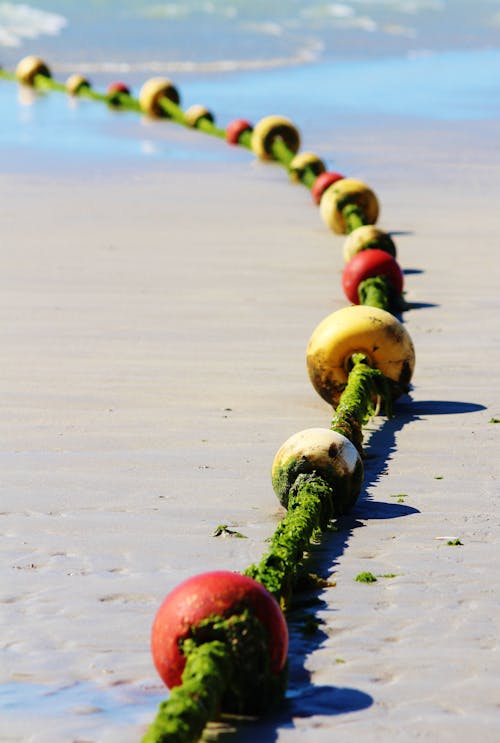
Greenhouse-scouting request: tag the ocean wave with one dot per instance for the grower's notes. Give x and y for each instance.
(19, 22)
(309, 53)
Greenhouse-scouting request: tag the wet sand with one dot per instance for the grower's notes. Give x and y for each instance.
(154, 325)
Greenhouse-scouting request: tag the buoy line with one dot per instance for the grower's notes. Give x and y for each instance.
(220, 640)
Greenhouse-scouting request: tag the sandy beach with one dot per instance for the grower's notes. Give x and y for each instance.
(156, 309)
(154, 335)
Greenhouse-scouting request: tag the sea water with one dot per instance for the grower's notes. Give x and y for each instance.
(216, 35)
(434, 59)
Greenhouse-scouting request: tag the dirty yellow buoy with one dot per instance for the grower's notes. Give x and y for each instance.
(359, 329)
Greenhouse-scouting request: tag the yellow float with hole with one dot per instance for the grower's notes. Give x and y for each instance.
(75, 84)
(267, 130)
(305, 160)
(366, 237)
(29, 67)
(325, 453)
(195, 113)
(342, 193)
(152, 91)
(359, 329)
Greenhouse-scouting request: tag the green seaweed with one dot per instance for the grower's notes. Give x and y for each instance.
(454, 543)
(353, 214)
(377, 291)
(227, 667)
(310, 506)
(366, 577)
(358, 400)
(224, 531)
(182, 717)
(400, 497)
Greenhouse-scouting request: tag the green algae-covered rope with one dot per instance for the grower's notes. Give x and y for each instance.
(377, 291)
(364, 385)
(6, 75)
(183, 716)
(354, 217)
(310, 504)
(227, 664)
(283, 155)
(310, 507)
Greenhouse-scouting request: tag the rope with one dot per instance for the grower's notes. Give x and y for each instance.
(356, 405)
(310, 507)
(377, 291)
(354, 217)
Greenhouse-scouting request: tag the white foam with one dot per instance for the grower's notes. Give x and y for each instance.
(18, 22)
(310, 52)
(268, 28)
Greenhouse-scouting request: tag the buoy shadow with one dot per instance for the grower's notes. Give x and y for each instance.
(318, 700)
(418, 306)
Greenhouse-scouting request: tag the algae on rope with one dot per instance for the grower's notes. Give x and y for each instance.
(310, 506)
(227, 665)
(358, 401)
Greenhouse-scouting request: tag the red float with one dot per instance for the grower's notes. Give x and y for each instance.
(369, 263)
(322, 182)
(235, 129)
(118, 88)
(218, 593)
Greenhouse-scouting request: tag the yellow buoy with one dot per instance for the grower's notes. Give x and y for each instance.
(29, 67)
(325, 453)
(367, 236)
(339, 195)
(151, 92)
(75, 83)
(305, 160)
(359, 329)
(271, 128)
(195, 113)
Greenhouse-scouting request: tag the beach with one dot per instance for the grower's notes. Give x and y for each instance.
(157, 295)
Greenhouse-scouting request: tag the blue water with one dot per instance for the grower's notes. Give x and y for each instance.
(425, 59)
(247, 32)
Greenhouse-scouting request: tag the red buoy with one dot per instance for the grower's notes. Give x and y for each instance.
(322, 182)
(368, 263)
(219, 593)
(235, 129)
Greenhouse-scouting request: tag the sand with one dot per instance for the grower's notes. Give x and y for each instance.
(154, 324)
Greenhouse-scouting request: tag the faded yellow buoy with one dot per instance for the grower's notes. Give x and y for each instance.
(29, 67)
(322, 452)
(151, 92)
(366, 237)
(305, 160)
(75, 83)
(339, 195)
(271, 128)
(359, 329)
(195, 113)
